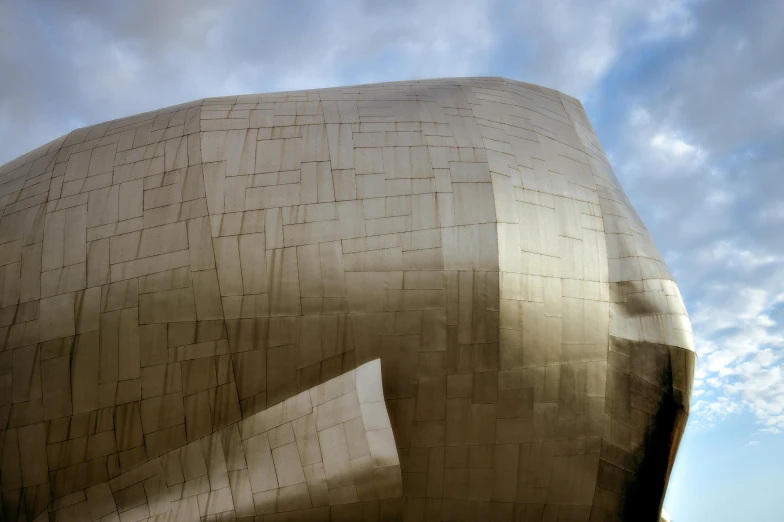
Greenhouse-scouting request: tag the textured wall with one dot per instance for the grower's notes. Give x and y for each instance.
(406, 301)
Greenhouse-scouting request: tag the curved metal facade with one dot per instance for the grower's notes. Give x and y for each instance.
(410, 301)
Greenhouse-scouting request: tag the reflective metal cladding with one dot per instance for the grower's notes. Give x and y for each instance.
(419, 301)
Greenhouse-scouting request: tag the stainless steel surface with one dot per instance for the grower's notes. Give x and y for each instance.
(412, 301)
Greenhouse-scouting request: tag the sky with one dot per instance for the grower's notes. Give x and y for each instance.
(686, 97)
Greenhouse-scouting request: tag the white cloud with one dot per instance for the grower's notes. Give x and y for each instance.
(719, 198)
(727, 253)
(670, 143)
(771, 213)
(711, 412)
(575, 44)
(767, 90)
(739, 342)
(656, 151)
(639, 116)
(669, 19)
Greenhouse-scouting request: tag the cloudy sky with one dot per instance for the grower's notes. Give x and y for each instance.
(686, 97)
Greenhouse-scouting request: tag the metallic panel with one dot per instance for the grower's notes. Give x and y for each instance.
(411, 301)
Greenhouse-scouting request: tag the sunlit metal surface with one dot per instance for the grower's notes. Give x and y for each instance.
(195, 301)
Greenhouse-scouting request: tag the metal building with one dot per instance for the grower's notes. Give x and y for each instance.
(419, 301)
